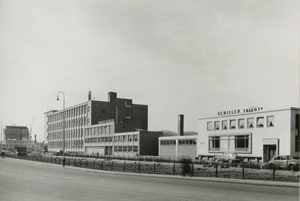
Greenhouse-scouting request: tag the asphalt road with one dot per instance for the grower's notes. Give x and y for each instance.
(34, 181)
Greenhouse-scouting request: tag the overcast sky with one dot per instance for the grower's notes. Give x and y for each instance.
(178, 57)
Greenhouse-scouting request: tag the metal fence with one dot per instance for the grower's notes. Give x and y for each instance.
(192, 168)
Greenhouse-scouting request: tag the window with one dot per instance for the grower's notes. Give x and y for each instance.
(217, 125)
(241, 123)
(232, 124)
(250, 123)
(124, 148)
(270, 121)
(260, 122)
(209, 126)
(130, 148)
(214, 143)
(230, 143)
(224, 125)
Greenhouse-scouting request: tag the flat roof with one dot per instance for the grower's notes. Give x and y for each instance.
(187, 137)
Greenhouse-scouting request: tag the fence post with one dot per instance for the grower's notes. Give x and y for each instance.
(124, 166)
(102, 165)
(274, 173)
(154, 168)
(243, 169)
(192, 169)
(216, 170)
(174, 169)
(139, 166)
(112, 165)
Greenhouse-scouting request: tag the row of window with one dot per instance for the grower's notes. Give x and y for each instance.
(69, 134)
(126, 149)
(98, 140)
(107, 129)
(69, 113)
(230, 143)
(241, 123)
(68, 144)
(69, 123)
(180, 142)
(126, 138)
(122, 138)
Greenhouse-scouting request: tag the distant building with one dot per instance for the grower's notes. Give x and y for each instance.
(136, 143)
(250, 132)
(16, 133)
(126, 116)
(101, 139)
(179, 145)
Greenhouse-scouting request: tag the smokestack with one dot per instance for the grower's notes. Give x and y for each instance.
(180, 124)
(34, 138)
(90, 95)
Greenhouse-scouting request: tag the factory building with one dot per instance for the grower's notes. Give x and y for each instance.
(126, 116)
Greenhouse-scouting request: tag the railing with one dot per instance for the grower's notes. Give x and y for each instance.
(171, 166)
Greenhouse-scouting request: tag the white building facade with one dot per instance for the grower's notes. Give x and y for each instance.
(98, 139)
(178, 146)
(250, 133)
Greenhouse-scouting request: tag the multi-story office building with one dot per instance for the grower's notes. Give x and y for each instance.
(16, 133)
(250, 132)
(126, 115)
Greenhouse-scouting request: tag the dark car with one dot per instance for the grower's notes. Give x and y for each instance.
(229, 157)
(284, 162)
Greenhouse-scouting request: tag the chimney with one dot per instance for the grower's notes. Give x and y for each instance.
(112, 96)
(90, 95)
(180, 124)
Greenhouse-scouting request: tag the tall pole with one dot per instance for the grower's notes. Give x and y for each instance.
(63, 121)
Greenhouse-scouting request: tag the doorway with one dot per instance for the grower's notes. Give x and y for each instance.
(269, 152)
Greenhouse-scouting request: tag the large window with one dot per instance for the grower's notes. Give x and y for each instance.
(214, 143)
(230, 143)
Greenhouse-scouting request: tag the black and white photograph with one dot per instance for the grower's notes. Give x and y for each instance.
(118, 100)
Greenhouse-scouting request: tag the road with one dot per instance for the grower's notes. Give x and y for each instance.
(33, 181)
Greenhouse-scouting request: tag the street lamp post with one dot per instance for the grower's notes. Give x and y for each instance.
(63, 120)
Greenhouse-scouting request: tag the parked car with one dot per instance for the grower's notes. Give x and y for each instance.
(229, 157)
(285, 162)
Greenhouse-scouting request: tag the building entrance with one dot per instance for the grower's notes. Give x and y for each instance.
(269, 152)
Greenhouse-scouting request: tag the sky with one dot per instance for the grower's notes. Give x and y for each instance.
(178, 57)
